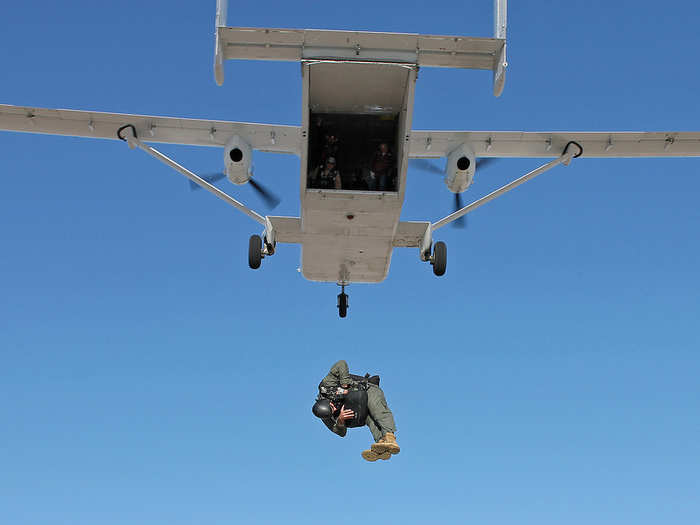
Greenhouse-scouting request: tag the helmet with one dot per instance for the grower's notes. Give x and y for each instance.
(322, 408)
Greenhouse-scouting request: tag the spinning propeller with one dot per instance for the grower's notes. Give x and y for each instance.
(431, 167)
(265, 194)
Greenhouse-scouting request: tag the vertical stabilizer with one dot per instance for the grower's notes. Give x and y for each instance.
(500, 23)
(221, 10)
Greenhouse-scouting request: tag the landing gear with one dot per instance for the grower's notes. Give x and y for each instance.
(343, 302)
(255, 251)
(439, 258)
(258, 249)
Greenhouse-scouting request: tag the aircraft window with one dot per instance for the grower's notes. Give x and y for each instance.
(352, 152)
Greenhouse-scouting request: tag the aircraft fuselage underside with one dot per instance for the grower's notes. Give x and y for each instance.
(348, 233)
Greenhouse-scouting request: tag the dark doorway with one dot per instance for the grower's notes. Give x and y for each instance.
(353, 141)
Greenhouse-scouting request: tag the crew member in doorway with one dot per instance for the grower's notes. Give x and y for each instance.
(326, 177)
(331, 147)
(346, 401)
(382, 169)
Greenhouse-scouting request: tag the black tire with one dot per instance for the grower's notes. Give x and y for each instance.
(439, 258)
(342, 305)
(254, 251)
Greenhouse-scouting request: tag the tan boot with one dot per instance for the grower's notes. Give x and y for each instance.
(387, 444)
(371, 455)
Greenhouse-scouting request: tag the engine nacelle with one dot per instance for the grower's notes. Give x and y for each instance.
(461, 165)
(237, 158)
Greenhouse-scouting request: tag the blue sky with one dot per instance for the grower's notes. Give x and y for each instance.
(148, 376)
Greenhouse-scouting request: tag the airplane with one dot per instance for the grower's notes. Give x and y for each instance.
(359, 86)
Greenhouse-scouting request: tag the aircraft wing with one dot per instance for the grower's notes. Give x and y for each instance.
(436, 144)
(263, 137)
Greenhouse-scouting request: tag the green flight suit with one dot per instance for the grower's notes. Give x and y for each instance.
(380, 420)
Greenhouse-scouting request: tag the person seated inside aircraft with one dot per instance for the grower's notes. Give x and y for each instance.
(381, 169)
(326, 177)
(346, 401)
(331, 147)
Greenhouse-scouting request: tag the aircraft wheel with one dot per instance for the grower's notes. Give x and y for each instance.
(254, 251)
(439, 258)
(342, 304)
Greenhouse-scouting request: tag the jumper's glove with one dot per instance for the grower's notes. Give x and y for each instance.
(344, 415)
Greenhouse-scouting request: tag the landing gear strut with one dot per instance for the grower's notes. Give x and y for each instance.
(342, 302)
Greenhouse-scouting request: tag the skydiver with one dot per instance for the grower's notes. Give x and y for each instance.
(326, 177)
(346, 401)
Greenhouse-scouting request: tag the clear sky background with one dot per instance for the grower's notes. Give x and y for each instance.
(147, 376)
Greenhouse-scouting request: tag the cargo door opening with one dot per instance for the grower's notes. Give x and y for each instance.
(352, 152)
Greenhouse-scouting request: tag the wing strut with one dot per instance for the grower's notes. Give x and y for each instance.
(128, 134)
(571, 151)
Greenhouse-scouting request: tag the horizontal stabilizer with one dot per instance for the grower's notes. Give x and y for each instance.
(245, 43)
(253, 43)
(308, 44)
